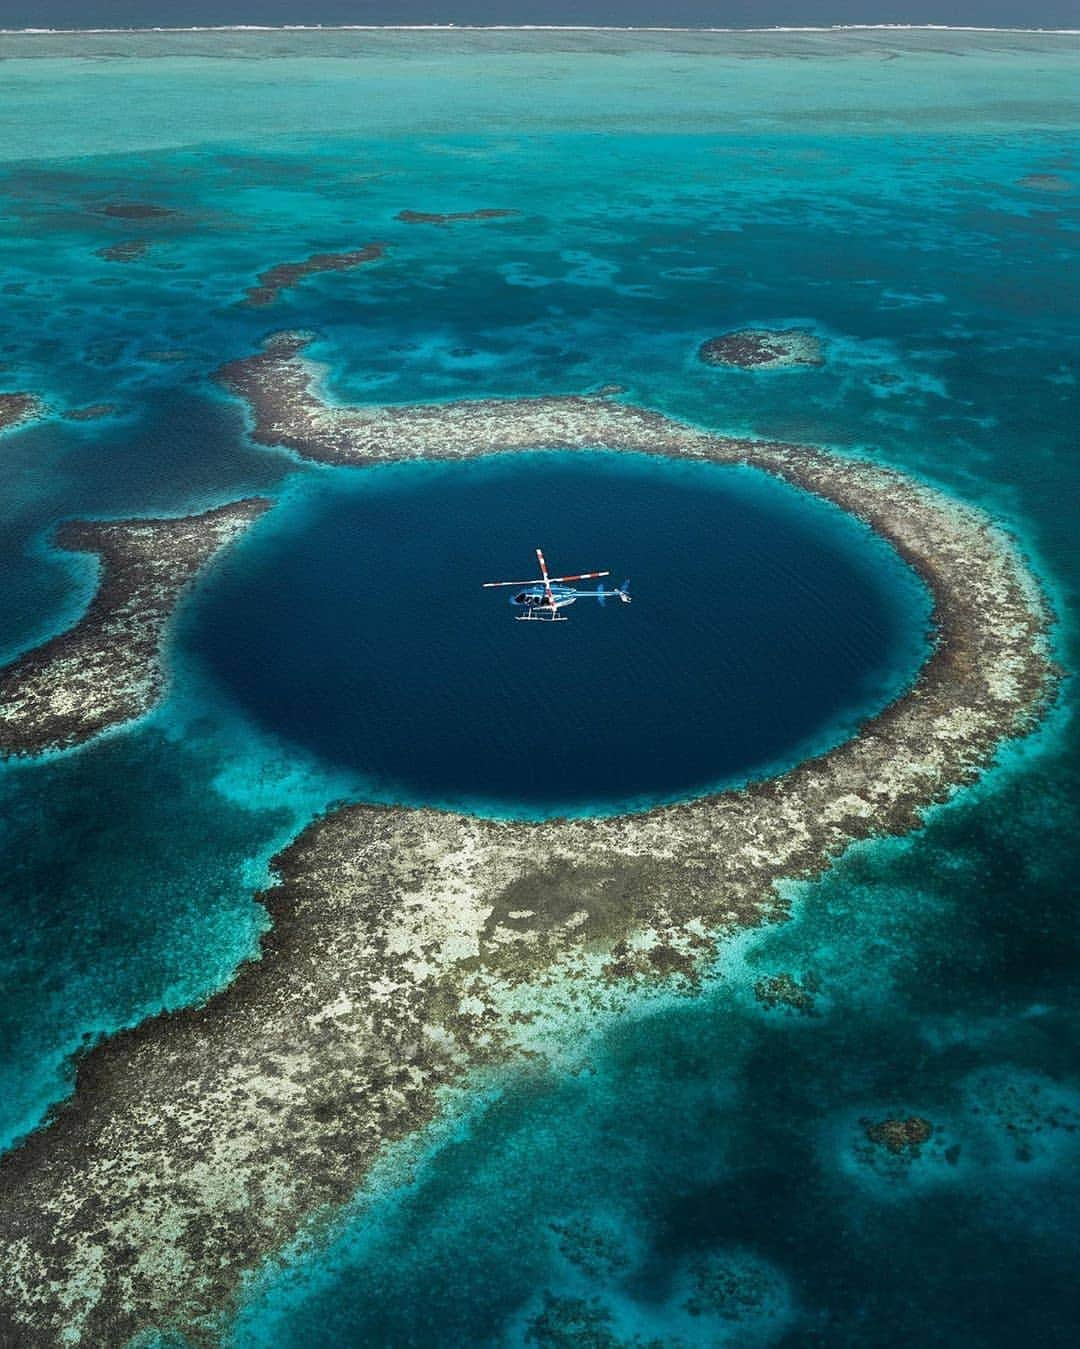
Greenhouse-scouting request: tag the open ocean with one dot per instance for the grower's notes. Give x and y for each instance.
(702, 1176)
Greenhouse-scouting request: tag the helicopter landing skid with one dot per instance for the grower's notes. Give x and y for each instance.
(541, 616)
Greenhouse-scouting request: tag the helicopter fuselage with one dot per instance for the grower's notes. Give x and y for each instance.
(535, 597)
(544, 597)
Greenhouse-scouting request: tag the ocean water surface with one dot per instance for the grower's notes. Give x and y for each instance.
(766, 624)
(700, 1173)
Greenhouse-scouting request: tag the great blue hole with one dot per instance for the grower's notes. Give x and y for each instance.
(766, 624)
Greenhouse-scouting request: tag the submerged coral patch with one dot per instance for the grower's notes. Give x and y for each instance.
(1046, 182)
(451, 217)
(763, 349)
(127, 250)
(900, 1135)
(134, 210)
(93, 412)
(288, 274)
(16, 408)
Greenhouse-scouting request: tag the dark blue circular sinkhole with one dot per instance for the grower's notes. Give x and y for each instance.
(765, 625)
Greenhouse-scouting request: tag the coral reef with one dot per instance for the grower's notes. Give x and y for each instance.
(437, 218)
(134, 210)
(763, 349)
(409, 947)
(1046, 182)
(93, 412)
(16, 408)
(899, 1136)
(784, 990)
(288, 274)
(107, 668)
(127, 250)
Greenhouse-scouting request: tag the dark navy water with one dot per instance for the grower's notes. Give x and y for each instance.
(763, 623)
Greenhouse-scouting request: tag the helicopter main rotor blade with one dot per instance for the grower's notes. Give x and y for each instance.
(490, 585)
(547, 579)
(582, 576)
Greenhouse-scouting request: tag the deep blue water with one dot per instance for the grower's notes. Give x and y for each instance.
(763, 625)
(663, 197)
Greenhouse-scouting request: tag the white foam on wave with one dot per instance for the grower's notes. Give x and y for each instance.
(526, 28)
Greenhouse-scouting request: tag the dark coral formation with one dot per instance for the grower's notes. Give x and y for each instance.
(16, 408)
(134, 210)
(450, 217)
(592, 1247)
(1046, 182)
(900, 1136)
(763, 349)
(657, 961)
(288, 274)
(127, 250)
(784, 990)
(1023, 1108)
(575, 1323)
(736, 1288)
(93, 412)
(167, 355)
(410, 946)
(107, 668)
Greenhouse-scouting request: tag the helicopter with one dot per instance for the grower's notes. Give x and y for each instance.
(541, 599)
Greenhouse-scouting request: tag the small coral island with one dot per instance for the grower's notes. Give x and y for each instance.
(763, 349)
(409, 947)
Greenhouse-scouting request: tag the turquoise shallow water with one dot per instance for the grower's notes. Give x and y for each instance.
(664, 193)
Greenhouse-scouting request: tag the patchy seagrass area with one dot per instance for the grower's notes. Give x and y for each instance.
(411, 946)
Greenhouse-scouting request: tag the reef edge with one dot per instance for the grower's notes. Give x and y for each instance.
(107, 668)
(410, 947)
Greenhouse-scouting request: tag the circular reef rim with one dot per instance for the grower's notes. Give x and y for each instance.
(816, 624)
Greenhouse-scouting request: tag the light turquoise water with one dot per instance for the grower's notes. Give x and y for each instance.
(518, 82)
(667, 189)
